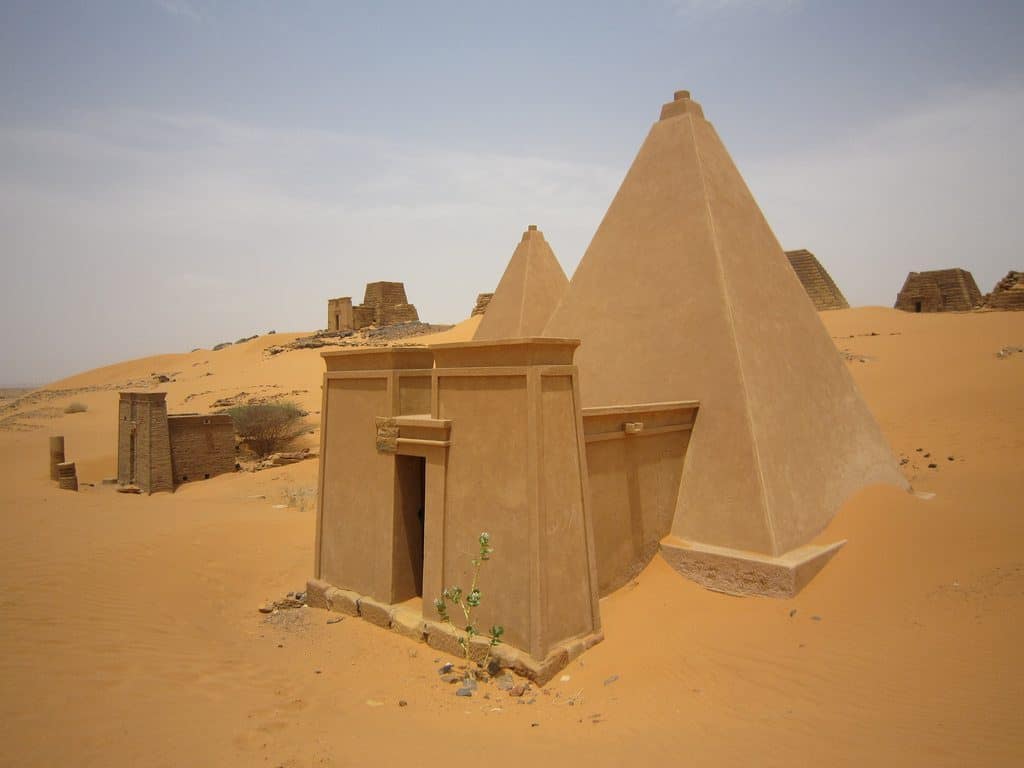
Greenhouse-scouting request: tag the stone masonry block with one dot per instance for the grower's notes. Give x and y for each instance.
(342, 601)
(542, 671)
(374, 612)
(408, 623)
(443, 638)
(316, 593)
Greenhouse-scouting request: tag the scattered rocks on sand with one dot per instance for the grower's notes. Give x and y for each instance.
(293, 600)
(505, 682)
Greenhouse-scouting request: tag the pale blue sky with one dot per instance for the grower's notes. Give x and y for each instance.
(209, 170)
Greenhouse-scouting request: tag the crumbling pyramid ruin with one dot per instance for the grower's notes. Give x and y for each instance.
(528, 292)
(820, 287)
(1008, 293)
(941, 290)
(706, 307)
(384, 303)
(482, 300)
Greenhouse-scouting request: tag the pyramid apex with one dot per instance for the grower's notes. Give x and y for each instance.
(528, 292)
(681, 104)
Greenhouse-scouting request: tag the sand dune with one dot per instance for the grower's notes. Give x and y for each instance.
(130, 634)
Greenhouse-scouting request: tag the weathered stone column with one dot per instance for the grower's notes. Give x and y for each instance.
(56, 454)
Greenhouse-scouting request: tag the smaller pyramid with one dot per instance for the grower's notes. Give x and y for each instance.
(528, 292)
(1008, 293)
(820, 287)
(940, 290)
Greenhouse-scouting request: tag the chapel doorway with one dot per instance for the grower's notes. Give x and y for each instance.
(410, 513)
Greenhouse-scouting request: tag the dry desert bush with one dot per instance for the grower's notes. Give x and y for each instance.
(268, 427)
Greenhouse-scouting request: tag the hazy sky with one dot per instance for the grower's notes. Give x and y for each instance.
(177, 173)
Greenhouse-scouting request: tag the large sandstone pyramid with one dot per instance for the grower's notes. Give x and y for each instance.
(528, 292)
(684, 293)
(820, 287)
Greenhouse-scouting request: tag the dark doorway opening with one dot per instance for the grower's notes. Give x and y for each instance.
(131, 459)
(410, 513)
(917, 306)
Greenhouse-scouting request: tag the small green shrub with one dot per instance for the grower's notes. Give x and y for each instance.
(76, 407)
(267, 428)
(468, 602)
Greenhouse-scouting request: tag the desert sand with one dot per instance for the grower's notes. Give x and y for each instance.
(130, 634)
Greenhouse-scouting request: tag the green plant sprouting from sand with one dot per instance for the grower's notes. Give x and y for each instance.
(468, 602)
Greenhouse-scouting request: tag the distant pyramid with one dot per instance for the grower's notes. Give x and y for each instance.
(684, 293)
(820, 287)
(940, 290)
(1008, 293)
(527, 293)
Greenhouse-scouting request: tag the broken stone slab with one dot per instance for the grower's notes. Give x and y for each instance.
(289, 457)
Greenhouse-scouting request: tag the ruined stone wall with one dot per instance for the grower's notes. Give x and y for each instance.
(943, 290)
(363, 316)
(143, 442)
(820, 287)
(397, 313)
(202, 446)
(1008, 293)
(482, 300)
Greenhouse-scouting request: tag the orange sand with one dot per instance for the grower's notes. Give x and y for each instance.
(130, 636)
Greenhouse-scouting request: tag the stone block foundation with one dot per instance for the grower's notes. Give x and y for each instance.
(441, 637)
(736, 572)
